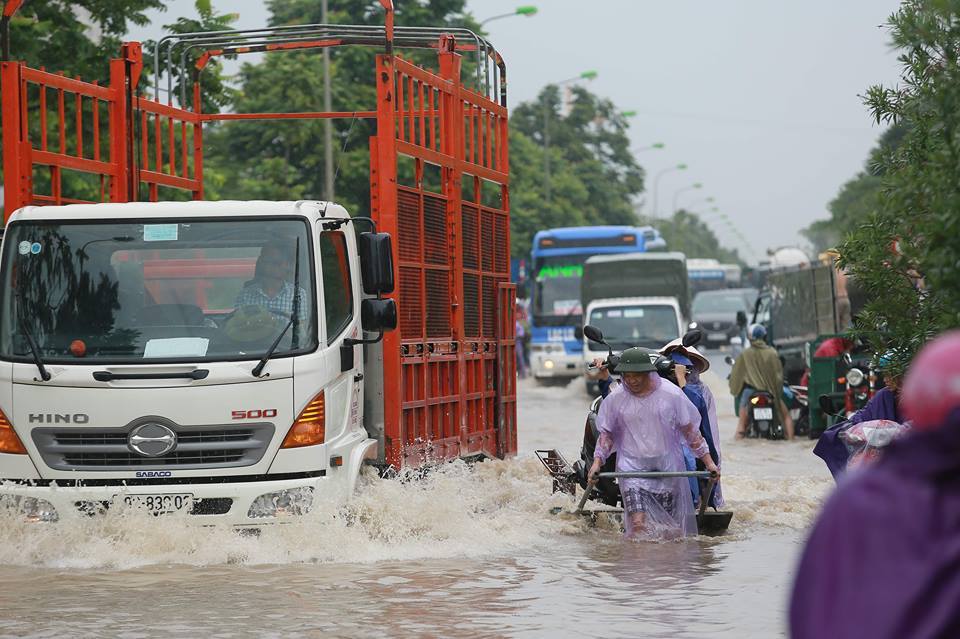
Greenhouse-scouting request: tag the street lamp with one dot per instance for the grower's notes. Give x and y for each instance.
(526, 10)
(655, 145)
(656, 182)
(585, 75)
(695, 185)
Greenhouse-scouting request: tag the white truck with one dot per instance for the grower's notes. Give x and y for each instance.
(237, 361)
(635, 299)
(141, 364)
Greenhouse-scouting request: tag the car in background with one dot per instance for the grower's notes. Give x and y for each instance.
(715, 313)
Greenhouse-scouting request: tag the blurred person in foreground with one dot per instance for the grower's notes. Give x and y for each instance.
(883, 560)
(885, 404)
(758, 368)
(646, 421)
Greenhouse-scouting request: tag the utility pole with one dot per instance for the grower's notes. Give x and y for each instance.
(328, 193)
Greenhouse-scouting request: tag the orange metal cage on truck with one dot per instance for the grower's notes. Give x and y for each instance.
(449, 371)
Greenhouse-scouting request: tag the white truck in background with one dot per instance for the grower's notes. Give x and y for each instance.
(635, 299)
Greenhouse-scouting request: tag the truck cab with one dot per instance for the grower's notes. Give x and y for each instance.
(635, 299)
(649, 322)
(198, 356)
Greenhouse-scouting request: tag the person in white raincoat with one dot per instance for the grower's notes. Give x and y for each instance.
(645, 420)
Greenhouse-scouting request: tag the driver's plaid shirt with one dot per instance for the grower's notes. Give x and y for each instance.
(281, 304)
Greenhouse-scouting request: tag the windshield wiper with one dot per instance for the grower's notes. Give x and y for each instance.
(293, 321)
(34, 350)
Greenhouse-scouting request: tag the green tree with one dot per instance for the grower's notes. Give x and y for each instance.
(76, 37)
(284, 159)
(906, 253)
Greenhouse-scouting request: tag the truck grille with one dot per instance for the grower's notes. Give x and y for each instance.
(106, 449)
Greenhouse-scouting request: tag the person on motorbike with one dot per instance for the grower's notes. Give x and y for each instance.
(881, 560)
(645, 421)
(758, 369)
(885, 404)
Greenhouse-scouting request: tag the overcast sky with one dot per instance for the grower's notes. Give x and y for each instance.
(758, 97)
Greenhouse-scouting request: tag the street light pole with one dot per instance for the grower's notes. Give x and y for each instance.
(526, 10)
(656, 183)
(655, 145)
(327, 122)
(695, 185)
(586, 75)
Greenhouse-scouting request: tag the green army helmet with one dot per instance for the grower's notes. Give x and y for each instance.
(637, 360)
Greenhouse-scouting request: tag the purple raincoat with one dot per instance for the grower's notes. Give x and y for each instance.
(883, 560)
(647, 433)
(693, 379)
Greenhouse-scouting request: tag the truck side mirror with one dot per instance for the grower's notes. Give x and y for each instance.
(741, 318)
(376, 263)
(378, 315)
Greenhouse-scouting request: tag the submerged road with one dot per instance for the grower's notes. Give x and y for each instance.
(468, 551)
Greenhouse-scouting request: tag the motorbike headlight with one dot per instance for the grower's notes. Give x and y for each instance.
(855, 377)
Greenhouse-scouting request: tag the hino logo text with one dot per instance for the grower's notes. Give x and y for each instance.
(58, 418)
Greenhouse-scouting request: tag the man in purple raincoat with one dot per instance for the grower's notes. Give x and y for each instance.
(646, 421)
(883, 560)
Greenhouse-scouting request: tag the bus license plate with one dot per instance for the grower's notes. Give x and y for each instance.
(762, 413)
(158, 504)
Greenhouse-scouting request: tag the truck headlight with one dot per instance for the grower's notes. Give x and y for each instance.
(30, 508)
(293, 501)
(855, 377)
(548, 364)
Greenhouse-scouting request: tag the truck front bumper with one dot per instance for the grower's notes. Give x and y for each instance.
(224, 501)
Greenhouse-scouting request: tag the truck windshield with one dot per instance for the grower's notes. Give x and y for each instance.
(649, 326)
(182, 290)
(719, 303)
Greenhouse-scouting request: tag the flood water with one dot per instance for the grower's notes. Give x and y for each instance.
(468, 551)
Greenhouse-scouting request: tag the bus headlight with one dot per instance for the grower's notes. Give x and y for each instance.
(293, 501)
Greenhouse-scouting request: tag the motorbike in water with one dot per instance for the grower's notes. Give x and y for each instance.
(763, 417)
(606, 490)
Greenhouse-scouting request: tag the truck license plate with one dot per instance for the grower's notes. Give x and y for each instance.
(760, 414)
(716, 337)
(158, 504)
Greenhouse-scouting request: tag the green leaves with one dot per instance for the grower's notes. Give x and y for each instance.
(905, 253)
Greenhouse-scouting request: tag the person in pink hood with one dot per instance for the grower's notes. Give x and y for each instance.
(883, 559)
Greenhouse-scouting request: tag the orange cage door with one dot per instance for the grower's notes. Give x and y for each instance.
(449, 369)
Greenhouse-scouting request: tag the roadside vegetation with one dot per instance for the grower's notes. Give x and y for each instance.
(898, 223)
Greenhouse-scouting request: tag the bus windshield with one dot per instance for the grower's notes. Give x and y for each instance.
(557, 294)
(183, 290)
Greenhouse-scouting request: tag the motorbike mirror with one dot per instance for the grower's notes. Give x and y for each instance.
(578, 332)
(692, 337)
(741, 318)
(729, 360)
(826, 404)
(593, 334)
(847, 359)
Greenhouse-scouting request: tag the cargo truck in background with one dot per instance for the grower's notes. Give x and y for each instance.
(797, 305)
(635, 299)
(238, 361)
